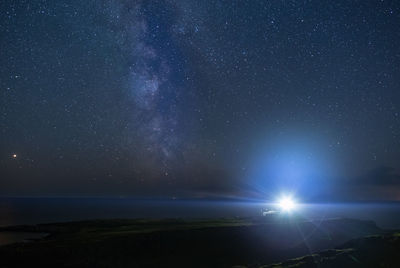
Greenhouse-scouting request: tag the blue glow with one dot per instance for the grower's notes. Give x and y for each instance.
(298, 166)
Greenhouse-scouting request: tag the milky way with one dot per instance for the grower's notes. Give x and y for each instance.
(147, 80)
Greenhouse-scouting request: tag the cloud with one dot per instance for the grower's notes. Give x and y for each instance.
(379, 184)
(381, 176)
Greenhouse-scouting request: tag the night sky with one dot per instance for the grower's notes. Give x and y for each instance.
(200, 99)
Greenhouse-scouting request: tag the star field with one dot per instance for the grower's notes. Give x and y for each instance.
(189, 98)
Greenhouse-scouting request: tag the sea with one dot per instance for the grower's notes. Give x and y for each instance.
(27, 211)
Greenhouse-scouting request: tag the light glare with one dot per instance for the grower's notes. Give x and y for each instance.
(287, 204)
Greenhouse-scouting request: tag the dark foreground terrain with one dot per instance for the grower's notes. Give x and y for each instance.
(372, 251)
(205, 243)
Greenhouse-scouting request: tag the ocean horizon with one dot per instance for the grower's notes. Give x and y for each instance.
(28, 210)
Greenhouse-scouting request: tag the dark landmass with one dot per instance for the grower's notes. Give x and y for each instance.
(372, 251)
(248, 242)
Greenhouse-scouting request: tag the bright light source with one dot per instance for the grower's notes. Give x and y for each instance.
(287, 204)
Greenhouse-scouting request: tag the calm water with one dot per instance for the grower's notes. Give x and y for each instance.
(16, 211)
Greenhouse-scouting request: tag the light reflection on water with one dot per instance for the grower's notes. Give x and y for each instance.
(16, 211)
